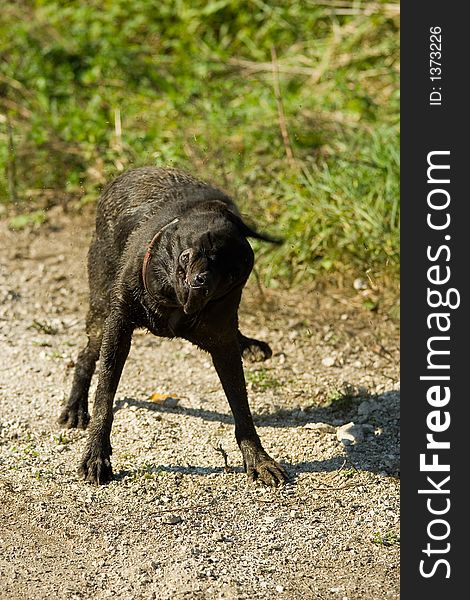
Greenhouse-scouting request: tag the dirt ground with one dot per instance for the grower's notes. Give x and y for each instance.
(176, 523)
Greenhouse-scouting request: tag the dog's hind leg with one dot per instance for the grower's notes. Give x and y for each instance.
(75, 413)
(253, 350)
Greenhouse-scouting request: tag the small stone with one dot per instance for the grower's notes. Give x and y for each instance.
(321, 427)
(171, 402)
(350, 434)
(279, 588)
(269, 519)
(171, 519)
(328, 361)
(359, 284)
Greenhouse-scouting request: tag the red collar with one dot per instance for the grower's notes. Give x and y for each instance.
(148, 254)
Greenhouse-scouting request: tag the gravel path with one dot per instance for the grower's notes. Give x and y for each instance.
(177, 523)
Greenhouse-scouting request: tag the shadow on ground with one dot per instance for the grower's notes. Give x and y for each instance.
(379, 453)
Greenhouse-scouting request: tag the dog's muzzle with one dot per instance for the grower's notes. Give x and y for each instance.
(199, 287)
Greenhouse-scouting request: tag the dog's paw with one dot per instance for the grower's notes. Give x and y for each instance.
(260, 467)
(256, 351)
(96, 467)
(73, 418)
(268, 472)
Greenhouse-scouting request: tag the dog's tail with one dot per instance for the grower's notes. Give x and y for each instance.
(250, 231)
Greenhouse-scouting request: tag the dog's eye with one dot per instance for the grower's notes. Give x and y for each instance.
(184, 258)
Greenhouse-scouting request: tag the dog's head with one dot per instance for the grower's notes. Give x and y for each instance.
(210, 257)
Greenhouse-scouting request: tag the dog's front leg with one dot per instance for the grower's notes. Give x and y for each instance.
(258, 464)
(96, 465)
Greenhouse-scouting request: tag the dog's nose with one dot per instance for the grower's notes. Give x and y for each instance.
(200, 279)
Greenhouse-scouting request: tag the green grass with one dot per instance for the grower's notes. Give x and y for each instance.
(388, 539)
(343, 399)
(192, 84)
(60, 439)
(33, 219)
(262, 379)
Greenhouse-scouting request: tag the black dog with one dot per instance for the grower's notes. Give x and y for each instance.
(170, 254)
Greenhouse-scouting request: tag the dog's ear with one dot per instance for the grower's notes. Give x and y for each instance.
(248, 231)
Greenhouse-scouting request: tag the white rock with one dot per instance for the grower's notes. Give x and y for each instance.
(350, 434)
(359, 284)
(328, 361)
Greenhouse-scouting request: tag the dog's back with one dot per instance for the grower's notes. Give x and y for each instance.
(146, 192)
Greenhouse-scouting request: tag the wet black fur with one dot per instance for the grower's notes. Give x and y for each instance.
(195, 278)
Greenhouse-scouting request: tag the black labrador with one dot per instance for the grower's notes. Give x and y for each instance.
(169, 254)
